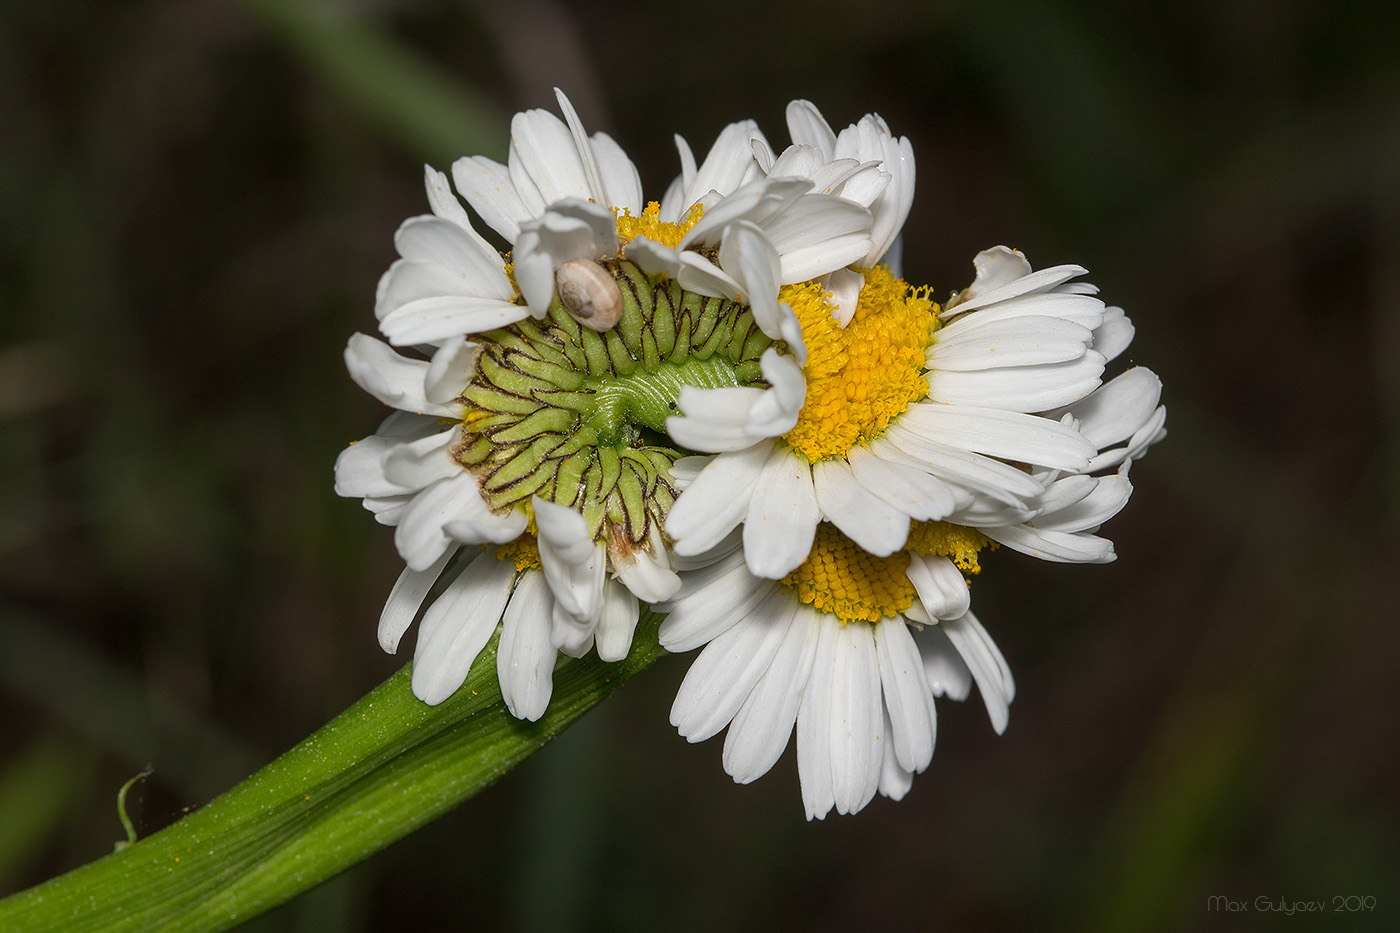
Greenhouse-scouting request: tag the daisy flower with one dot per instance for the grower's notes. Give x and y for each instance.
(911, 412)
(850, 650)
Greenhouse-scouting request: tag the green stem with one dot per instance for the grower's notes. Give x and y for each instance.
(381, 769)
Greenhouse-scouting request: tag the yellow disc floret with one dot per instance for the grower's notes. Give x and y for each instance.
(855, 586)
(861, 376)
(851, 584)
(523, 550)
(944, 539)
(651, 226)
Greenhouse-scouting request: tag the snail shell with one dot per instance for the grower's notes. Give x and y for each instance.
(590, 293)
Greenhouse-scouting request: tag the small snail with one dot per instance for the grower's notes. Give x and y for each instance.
(590, 293)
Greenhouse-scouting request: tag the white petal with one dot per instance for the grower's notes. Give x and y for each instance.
(404, 600)
(750, 258)
(1021, 341)
(944, 668)
(572, 563)
(563, 529)
(359, 470)
(487, 187)
(525, 657)
(584, 149)
(723, 674)
(988, 667)
(782, 516)
(994, 268)
(1056, 546)
(420, 537)
(457, 626)
(757, 203)
(808, 127)
(569, 230)
(895, 781)
(1020, 388)
(845, 287)
(1009, 435)
(1119, 407)
(476, 523)
(855, 718)
(941, 586)
(691, 271)
(393, 379)
(1006, 289)
(907, 694)
(410, 280)
(646, 571)
(1110, 495)
(443, 202)
(677, 200)
(760, 730)
(978, 473)
(713, 600)
(910, 490)
(617, 622)
(480, 270)
(814, 715)
(620, 179)
(431, 320)
(717, 500)
(819, 234)
(542, 146)
(1084, 310)
(1114, 335)
(892, 208)
(714, 420)
(450, 369)
(777, 411)
(570, 635)
(801, 162)
(418, 464)
(862, 516)
(724, 167)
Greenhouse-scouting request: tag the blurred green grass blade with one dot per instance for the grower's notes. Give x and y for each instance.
(112, 708)
(381, 769)
(436, 117)
(39, 787)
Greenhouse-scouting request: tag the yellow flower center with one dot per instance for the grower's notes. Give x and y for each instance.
(651, 226)
(523, 550)
(861, 376)
(955, 542)
(840, 578)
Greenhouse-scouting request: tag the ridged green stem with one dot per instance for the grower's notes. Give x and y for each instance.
(381, 769)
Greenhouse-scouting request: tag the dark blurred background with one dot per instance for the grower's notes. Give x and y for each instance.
(197, 198)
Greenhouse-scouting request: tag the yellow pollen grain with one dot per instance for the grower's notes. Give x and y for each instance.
(651, 226)
(955, 542)
(523, 550)
(509, 258)
(851, 584)
(861, 376)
